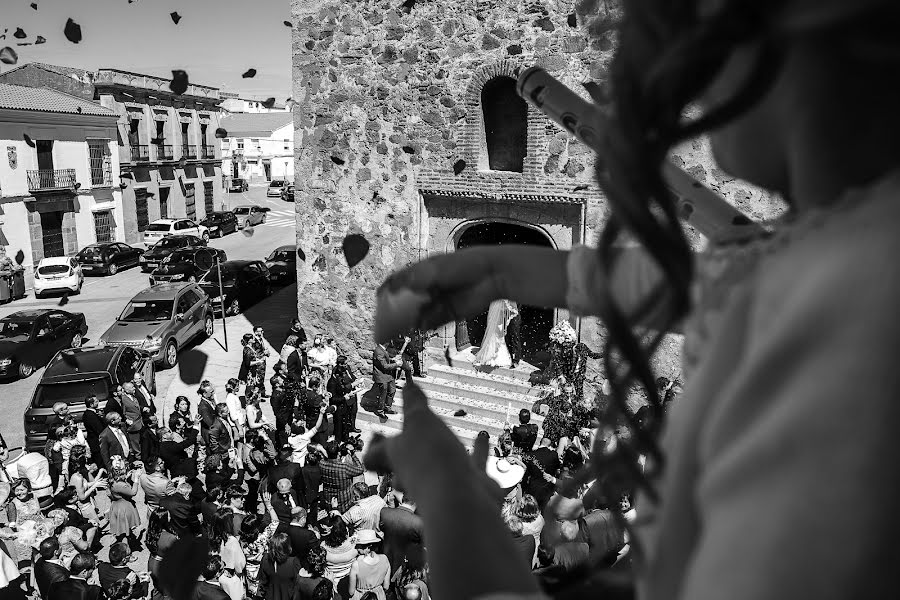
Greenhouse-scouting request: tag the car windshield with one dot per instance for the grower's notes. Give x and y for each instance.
(179, 256)
(242, 210)
(91, 252)
(215, 218)
(15, 331)
(54, 270)
(168, 243)
(159, 227)
(282, 255)
(276, 184)
(72, 392)
(212, 276)
(153, 310)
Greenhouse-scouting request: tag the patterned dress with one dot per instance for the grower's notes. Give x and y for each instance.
(254, 553)
(570, 361)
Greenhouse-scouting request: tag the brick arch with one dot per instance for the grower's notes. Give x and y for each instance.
(473, 130)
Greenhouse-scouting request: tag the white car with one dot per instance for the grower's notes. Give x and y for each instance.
(161, 228)
(57, 274)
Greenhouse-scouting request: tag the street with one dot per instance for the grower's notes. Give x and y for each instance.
(102, 299)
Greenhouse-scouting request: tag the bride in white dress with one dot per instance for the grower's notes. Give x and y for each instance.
(493, 351)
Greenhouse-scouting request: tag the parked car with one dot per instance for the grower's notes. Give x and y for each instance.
(30, 338)
(161, 320)
(58, 274)
(220, 223)
(287, 194)
(154, 255)
(161, 228)
(108, 257)
(238, 184)
(76, 373)
(244, 283)
(187, 264)
(275, 188)
(282, 264)
(250, 214)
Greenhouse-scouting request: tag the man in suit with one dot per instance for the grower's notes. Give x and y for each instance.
(543, 466)
(514, 333)
(48, 569)
(294, 359)
(76, 587)
(184, 515)
(222, 433)
(93, 427)
(302, 539)
(384, 369)
(175, 455)
(340, 386)
(133, 413)
(524, 435)
(142, 392)
(284, 501)
(209, 587)
(403, 535)
(114, 441)
(285, 469)
(206, 408)
(117, 568)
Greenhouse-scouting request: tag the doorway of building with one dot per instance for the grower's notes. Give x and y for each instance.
(536, 322)
(52, 234)
(267, 169)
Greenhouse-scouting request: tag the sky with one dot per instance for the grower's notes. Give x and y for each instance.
(215, 41)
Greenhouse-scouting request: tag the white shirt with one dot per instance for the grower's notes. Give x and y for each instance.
(235, 410)
(318, 357)
(123, 440)
(300, 445)
(332, 356)
(286, 351)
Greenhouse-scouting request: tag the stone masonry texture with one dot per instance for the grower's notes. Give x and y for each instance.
(388, 109)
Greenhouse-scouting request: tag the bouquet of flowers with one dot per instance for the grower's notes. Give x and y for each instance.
(562, 333)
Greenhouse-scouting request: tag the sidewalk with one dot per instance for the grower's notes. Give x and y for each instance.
(274, 314)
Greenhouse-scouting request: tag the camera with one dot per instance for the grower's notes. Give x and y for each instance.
(354, 443)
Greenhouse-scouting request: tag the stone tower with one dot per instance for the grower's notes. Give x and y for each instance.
(409, 131)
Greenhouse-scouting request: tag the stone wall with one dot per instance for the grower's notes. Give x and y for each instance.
(389, 125)
(33, 76)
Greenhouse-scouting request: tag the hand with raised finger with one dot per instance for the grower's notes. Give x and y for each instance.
(458, 504)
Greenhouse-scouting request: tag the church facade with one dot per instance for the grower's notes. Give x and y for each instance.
(409, 131)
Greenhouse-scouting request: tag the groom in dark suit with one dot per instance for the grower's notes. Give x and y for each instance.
(514, 337)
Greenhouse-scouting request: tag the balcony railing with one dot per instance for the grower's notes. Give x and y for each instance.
(140, 152)
(51, 179)
(189, 151)
(165, 152)
(209, 152)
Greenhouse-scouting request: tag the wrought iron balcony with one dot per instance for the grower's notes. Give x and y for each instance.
(165, 152)
(209, 152)
(51, 179)
(140, 152)
(189, 151)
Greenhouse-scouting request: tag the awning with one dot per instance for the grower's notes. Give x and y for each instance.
(209, 170)
(103, 195)
(167, 173)
(103, 206)
(190, 171)
(141, 174)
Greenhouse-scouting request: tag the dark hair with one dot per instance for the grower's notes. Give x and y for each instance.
(529, 510)
(313, 457)
(280, 548)
(215, 493)
(246, 338)
(64, 496)
(233, 385)
(48, 547)
(180, 399)
(370, 595)
(338, 533)
(83, 561)
(119, 553)
(220, 527)
(251, 527)
(325, 590)
(316, 561)
(314, 381)
(213, 566)
(78, 461)
(91, 399)
(119, 590)
(332, 449)
(524, 416)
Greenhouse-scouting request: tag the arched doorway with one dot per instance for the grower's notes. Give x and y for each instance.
(536, 322)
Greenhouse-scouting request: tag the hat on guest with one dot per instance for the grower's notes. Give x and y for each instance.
(506, 474)
(367, 536)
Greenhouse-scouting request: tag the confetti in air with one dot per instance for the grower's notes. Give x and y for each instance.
(269, 102)
(221, 132)
(458, 166)
(72, 31)
(19, 34)
(179, 82)
(355, 248)
(8, 56)
(175, 17)
(249, 73)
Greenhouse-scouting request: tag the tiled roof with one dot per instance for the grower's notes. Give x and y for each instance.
(67, 71)
(17, 97)
(255, 124)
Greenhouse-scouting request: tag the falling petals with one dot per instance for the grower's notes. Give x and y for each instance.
(8, 56)
(20, 34)
(221, 132)
(269, 102)
(458, 166)
(249, 73)
(179, 83)
(72, 31)
(40, 40)
(175, 17)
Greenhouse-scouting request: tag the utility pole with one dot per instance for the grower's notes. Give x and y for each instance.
(222, 300)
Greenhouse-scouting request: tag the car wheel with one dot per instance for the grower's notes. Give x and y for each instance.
(170, 358)
(247, 223)
(234, 307)
(77, 340)
(208, 326)
(113, 269)
(206, 236)
(25, 371)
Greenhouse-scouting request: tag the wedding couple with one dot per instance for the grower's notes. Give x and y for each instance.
(502, 343)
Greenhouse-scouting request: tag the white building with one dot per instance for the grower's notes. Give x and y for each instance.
(59, 180)
(259, 146)
(232, 103)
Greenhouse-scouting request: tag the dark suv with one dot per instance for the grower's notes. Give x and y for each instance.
(75, 374)
(188, 264)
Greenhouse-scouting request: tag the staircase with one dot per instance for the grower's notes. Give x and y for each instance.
(486, 395)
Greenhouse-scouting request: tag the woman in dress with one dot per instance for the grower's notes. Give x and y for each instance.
(313, 574)
(224, 542)
(279, 571)
(340, 552)
(124, 518)
(182, 409)
(86, 484)
(255, 536)
(493, 351)
(71, 539)
(371, 571)
(24, 517)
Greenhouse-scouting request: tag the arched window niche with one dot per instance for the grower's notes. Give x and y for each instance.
(505, 117)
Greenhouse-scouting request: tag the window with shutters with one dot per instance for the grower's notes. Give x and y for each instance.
(103, 226)
(100, 162)
(208, 197)
(140, 208)
(190, 201)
